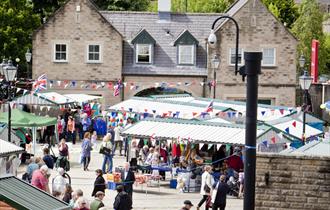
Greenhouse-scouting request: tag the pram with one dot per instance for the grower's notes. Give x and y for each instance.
(62, 162)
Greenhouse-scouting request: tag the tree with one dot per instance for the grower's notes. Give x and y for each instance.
(45, 8)
(17, 23)
(203, 6)
(308, 27)
(123, 5)
(285, 10)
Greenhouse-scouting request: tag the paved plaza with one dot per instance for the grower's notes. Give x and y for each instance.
(151, 197)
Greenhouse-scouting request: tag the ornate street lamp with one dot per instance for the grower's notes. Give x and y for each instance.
(305, 82)
(9, 71)
(215, 62)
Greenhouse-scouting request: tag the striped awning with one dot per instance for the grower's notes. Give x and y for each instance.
(44, 99)
(200, 132)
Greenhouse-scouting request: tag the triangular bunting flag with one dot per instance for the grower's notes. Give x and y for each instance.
(209, 146)
(24, 92)
(48, 108)
(200, 145)
(294, 124)
(218, 146)
(273, 140)
(265, 143)
(287, 130)
(263, 113)
(18, 89)
(282, 111)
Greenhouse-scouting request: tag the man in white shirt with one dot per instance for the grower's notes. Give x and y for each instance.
(118, 140)
(59, 182)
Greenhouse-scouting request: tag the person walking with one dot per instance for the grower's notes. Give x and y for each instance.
(47, 158)
(118, 140)
(106, 149)
(122, 200)
(219, 197)
(97, 202)
(40, 178)
(99, 184)
(206, 187)
(71, 130)
(133, 154)
(128, 177)
(86, 148)
(63, 159)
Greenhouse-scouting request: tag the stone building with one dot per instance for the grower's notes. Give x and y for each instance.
(259, 31)
(292, 182)
(169, 50)
(78, 44)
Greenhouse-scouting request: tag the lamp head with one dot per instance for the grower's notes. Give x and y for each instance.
(28, 55)
(215, 62)
(10, 71)
(305, 81)
(302, 61)
(212, 40)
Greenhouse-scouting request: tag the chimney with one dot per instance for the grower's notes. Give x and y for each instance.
(164, 10)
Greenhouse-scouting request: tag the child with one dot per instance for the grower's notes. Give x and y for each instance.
(94, 140)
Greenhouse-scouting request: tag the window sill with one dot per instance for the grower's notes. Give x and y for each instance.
(269, 67)
(185, 64)
(93, 62)
(61, 61)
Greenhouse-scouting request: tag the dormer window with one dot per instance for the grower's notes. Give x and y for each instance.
(186, 54)
(144, 47)
(143, 53)
(186, 48)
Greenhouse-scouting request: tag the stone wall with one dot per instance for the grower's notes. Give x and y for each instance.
(295, 182)
(258, 29)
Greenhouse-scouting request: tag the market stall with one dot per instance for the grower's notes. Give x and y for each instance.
(21, 119)
(201, 136)
(83, 98)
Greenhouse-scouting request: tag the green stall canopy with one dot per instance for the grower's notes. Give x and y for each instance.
(24, 119)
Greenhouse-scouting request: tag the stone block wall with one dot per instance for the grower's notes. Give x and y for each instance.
(294, 183)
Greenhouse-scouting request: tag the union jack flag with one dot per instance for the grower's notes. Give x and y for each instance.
(117, 87)
(209, 108)
(40, 83)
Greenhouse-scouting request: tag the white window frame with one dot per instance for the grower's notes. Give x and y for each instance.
(100, 53)
(137, 53)
(242, 56)
(66, 53)
(274, 59)
(192, 55)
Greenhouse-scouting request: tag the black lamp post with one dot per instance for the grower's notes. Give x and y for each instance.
(28, 56)
(215, 62)
(9, 70)
(251, 70)
(305, 82)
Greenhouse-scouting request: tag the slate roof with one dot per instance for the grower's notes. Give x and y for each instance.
(21, 195)
(165, 54)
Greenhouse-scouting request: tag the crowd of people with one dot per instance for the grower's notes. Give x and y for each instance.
(142, 155)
